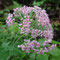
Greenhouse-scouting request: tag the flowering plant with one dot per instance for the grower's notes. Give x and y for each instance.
(34, 23)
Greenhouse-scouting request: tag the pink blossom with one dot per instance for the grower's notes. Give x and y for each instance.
(35, 23)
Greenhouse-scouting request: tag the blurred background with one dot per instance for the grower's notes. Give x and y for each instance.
(52, 8)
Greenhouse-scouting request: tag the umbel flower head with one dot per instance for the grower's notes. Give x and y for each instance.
(35, 22)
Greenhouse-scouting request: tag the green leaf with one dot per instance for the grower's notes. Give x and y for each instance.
(32, 57)
(56, 29)
(23, 54)
(15, 3)
(14, 28)
(5, 44)
(55, 42)
(4, 26)
(41, 40)
(4, 54)
(55, 58)
(6, 10)
(56, 24)
(1, 12)
(55, 52)
(1, 30)
(38, 3)
(42, 57)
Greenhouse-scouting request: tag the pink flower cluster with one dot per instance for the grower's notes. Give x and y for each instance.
(35, 47)
(36, 33)
(28, 17)
(35, 22)
(26, 26)
(10, 19)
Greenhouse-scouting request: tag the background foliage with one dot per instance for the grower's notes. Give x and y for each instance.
(10, 37)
